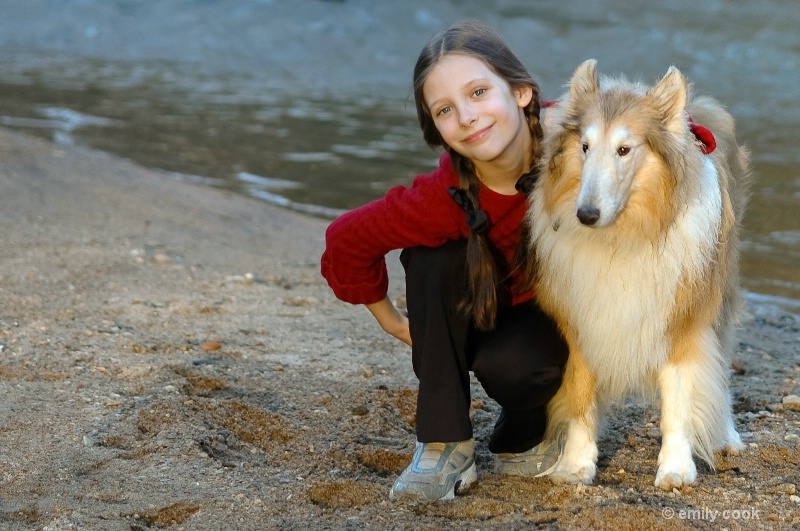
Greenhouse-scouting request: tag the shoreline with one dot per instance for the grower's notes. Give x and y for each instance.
(171, 357)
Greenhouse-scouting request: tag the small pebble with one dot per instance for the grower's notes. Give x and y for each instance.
(161, 258)
(300, 301)
(360, 410)
(211, 345)
(791, 402)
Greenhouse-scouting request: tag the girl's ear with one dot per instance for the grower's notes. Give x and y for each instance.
(524, 95)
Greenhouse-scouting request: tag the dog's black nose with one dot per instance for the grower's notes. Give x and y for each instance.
(588, 215)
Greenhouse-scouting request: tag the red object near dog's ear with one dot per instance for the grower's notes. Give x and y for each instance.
(704, 135)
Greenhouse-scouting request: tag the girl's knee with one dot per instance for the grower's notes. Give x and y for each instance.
(516, 385)
(539, 378)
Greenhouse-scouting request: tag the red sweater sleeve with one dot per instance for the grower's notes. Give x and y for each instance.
(357, 242)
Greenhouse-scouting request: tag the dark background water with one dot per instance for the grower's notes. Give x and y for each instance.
(306, 103)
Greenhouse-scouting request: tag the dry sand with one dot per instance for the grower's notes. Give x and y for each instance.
(171, 358)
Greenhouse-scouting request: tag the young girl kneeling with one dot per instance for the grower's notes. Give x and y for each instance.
(465, 255)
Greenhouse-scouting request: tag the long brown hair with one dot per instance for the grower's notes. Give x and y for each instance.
(487, 274)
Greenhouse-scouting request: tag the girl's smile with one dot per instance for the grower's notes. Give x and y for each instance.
(477, 136)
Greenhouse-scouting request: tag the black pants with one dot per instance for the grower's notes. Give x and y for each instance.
(519, 363)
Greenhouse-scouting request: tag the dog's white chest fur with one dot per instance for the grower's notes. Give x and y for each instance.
(621, 292)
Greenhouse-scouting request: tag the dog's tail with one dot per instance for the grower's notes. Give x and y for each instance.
(732, 162)
(729, 157)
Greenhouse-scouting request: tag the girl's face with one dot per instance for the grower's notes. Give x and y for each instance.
(476, 112)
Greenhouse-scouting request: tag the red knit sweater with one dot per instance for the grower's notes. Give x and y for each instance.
(421, 215)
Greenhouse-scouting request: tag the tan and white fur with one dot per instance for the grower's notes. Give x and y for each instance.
(635, 233)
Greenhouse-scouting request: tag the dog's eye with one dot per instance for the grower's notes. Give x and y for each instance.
(623, 150)
(585, 147)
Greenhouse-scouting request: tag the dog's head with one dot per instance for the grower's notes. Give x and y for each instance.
(622, 138)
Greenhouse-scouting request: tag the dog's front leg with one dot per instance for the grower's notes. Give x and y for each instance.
(575, 408)
(675, 463)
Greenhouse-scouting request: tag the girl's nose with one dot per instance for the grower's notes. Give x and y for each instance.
(467, 115)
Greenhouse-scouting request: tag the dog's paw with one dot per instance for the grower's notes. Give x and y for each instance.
(734, 444)
(578, 461)
(676, 466)
(560, 478)
(574, 475)
(732, 449)
(669, 481)
(675, 477)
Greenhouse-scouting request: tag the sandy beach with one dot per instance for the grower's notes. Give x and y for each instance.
(171, 358)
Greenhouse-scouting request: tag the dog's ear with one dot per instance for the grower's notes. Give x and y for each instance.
(585, 81)
(669, 97)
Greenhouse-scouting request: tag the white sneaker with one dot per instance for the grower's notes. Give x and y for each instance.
(437, 472)
(537, 462)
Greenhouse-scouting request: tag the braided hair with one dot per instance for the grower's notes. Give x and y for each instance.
(487, 273)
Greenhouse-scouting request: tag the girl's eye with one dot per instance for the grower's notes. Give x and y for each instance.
(623, 150)
(479, 92)
(585, 147)
(443, 111)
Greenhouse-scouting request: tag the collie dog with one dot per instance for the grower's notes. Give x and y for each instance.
(634, 225)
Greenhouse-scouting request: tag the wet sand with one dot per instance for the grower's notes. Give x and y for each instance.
(171, 358)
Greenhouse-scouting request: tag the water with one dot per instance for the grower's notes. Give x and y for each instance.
(306, 103)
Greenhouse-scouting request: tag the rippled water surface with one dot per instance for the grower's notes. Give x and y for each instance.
(307, 103)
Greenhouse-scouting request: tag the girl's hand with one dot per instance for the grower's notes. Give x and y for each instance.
(392, 320)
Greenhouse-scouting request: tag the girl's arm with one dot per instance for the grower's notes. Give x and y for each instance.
(391, 319)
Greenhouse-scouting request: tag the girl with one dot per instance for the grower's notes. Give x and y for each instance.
(465, 256)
